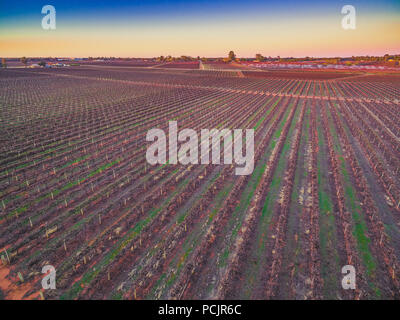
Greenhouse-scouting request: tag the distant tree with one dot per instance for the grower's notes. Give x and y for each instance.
(231, 56)
(4, 63)
(259, 57)
(24, 60)
(386, 57)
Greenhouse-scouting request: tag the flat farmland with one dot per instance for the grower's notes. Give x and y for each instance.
(77, 193)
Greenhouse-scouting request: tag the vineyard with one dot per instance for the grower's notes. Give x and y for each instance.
(77, 193)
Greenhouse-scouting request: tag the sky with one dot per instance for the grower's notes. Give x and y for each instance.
(206, 28)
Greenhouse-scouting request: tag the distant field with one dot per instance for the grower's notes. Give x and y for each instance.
(76, 191)
(120, 63)
(183, 65)
(387, 77)
(144, 64)
(300, 75)
(217, 65)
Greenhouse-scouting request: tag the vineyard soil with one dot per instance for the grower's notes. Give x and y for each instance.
(76, 191)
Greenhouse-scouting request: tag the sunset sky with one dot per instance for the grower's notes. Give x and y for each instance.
(208, 28)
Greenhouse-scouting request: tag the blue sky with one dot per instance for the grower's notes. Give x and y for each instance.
(101, 10)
